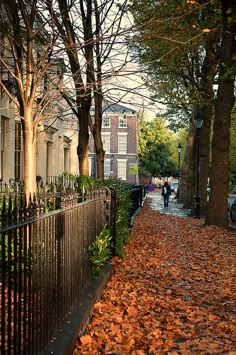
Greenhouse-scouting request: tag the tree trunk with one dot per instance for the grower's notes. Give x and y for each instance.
(98, 97)
(29, 153)
(97, 130)
(82, 151)
(217, 213)
(186, 180)
(83, 144)
(205, 136)
(81, 76)
(208, 76)
(206, 107)
(100, 159)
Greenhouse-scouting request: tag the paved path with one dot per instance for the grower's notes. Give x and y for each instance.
(174, 208)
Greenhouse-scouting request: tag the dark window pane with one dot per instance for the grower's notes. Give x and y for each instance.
(17, 150)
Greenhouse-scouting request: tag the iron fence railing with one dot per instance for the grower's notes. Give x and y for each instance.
(44, 266)
(138, 193)
(61, 180)
(44, 257)
(47, 198)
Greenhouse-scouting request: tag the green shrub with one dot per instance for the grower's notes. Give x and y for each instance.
(99, 251)
(123, 206)
(84, 182)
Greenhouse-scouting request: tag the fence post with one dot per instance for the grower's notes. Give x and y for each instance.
(113, 221)
(140, 195)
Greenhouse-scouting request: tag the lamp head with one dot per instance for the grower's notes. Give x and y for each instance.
(179, 147)
(198, 121)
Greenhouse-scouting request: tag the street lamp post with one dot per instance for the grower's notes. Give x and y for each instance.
(179, 148)
(198, 124)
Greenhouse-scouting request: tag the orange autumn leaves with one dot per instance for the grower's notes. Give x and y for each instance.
(174, 293)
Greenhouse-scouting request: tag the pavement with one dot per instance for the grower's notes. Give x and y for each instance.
(174, 208)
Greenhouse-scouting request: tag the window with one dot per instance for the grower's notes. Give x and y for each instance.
(107, 168)
(90, 166)
(122, 169)
(66, 160)
(122, 121)
(106, 121)
(3, 144)
(17, 151)
(49, 160)
(106, 142)
(122, 143)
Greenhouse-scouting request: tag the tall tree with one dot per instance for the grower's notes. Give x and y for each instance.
(90, 31)
(157, 148)
(26, 57)
(219, 178)
(177, 44)
(65, 18)
(107, 33)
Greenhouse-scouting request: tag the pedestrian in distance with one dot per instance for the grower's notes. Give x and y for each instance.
(166, 192)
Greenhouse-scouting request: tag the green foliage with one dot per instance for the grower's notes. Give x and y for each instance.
(12, 253)
(170, 46)
(49, 199)
(65, 179)
(99, 251)
(123, 206)
(158, 148)
(68, 176)
(84, 182)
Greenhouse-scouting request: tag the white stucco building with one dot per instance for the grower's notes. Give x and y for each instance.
(57, 140)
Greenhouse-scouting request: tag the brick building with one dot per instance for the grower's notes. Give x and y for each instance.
(120, 143)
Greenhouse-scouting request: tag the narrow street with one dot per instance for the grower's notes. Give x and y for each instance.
(174, 292)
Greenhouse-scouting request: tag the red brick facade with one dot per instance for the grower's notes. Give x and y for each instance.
(121, 160)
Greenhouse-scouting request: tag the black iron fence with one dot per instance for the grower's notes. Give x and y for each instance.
(44, 257)
(138, 193)
(44, 264)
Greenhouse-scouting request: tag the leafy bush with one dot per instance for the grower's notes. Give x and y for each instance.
(123, 206)
(84, 182)
(99, 251)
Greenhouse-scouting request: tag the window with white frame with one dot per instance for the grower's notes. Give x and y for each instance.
(3, 144)
(106, 140)
(90, 166)
(18, 148)
(122, 121)
(105, 121)
(122, 163)
(122, 143)
(107, 168)
(66, 159)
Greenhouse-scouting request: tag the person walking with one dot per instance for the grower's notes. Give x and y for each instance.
(166, 192)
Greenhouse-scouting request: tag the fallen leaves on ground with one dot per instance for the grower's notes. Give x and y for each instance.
(174, 293)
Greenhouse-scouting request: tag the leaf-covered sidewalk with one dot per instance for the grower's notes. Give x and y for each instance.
(175, 293)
